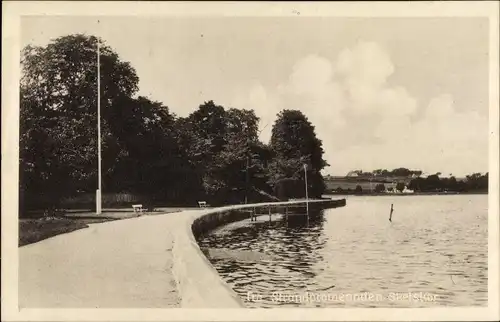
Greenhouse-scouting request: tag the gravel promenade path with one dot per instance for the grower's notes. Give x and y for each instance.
(121, 264)
(117, 264)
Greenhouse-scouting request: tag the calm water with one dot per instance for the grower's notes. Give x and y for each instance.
(434, 253)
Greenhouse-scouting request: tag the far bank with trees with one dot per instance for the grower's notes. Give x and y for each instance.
(402, 180)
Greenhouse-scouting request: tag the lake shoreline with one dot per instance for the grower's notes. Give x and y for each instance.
(405, 194)
(433, 245)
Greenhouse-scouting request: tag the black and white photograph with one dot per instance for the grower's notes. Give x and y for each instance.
(259, 157)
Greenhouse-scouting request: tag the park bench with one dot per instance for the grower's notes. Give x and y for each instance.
(138, 208)
(202, 204)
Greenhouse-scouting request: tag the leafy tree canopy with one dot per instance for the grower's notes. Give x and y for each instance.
(294, 143)
(58, 119)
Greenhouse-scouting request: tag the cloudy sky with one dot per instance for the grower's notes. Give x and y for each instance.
(381, 92)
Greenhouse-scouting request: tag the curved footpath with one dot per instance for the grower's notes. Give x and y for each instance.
(144, 262)
(117, 264)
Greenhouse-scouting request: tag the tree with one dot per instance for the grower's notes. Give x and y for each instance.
(452, 184)
(417, 184)
(433, 183)
(225, 153)
(204, 137)
(208, 126)
(401, 172)
(240, 166)
(58, 149)
(380, 187)
(472, 182)
(146, 130)
(476, 182)
(400, 186)
(286, 188)
(294, 143)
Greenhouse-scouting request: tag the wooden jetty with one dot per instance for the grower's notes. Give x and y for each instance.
(300, 208)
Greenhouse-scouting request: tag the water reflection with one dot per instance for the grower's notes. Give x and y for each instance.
(296, 239)
(436, 245)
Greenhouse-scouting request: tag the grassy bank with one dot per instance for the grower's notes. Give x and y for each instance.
(35, 230)
(32, 230)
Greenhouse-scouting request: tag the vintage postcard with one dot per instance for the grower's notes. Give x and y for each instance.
(261, 161)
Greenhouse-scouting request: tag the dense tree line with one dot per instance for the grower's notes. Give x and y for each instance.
(398, 172)
(473, 183)
(213, 154)
(476, 182)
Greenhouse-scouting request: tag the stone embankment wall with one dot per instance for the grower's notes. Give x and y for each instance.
(198, 282)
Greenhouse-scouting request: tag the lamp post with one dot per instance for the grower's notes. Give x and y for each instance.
(247, 179)
(98, 192)
(307, 196)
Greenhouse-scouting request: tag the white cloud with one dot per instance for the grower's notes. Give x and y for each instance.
(363, 72)
(310, 76)
(367, 63)
(439, 107)
(365, 122)
(443, 140)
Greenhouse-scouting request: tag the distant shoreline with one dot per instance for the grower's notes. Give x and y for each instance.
(383, 194)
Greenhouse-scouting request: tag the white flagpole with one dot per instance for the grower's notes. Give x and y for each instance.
(98, 194)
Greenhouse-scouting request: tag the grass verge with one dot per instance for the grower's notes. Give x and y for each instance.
(35, 230)
(32, 230)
